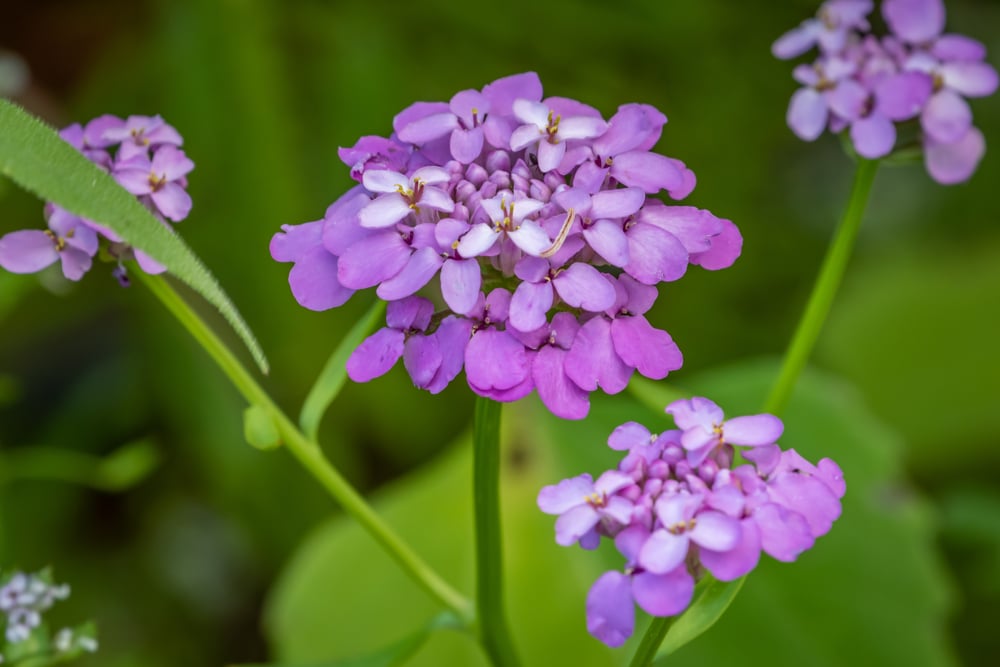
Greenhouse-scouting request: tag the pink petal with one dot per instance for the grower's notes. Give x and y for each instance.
(663, 594)
(530, 305)
(972, 79)
(947, 117)
(421, 267)
(372, 260)
(953, 163)
(649, 350)
(376, 355)
(629, 435)
(559, 394)
(461, 280)
(592, 360)
(650, 172)
(610, 611)
(874, 136)
(583, 286)
(495, 360)
(314, 281)
(807, 114)
(608, 240)
(654, 255)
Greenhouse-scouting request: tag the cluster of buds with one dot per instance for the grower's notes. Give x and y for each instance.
(866, 84)
(680, 503)
(143, 154)
(23, 600)
(539, 221)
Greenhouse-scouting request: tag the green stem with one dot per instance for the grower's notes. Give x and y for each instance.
(308, 451)
(651, 641)
(493, 632)
(830, 275)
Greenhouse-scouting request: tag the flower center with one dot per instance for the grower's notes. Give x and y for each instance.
(157, 181)
(553, 128)
(682, 527)
(596, 500)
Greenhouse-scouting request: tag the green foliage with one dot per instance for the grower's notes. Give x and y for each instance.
(125, 467)
(33, 155)
(880, 552)
(259, 428)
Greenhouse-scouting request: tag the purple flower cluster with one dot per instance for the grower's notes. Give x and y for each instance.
(23, 600)
(867, 84)
(537, 219)
(676, 507)
(143, 154)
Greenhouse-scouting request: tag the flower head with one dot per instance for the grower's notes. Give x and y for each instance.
(868, 84)
(142, 153)
(679, 505)
(530, 225)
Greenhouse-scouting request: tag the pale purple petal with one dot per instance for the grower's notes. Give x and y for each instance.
(438, 200)
(797, 41)
(629, 435)
(428, 128)
(461, 280)
(372, 260)
(726, 247)
(953, 163)
(525, 136)
(958, 47)
(75, 262)
(171, 163)
(734, 563)
(754, 430)
(947, 117)
(410, 313)
(550, 155)
(808, 496)
(903, 95)
(495, 360)
(27, 251)
(294, 241)
(592, 360)
(466, 145)
(654, 255)
(617, 203)
(421, 267)
(421, 358)
(559, 394)
(453, 336)
(530, 238)
(534, 113)
(716, 531)
(663, 594)
(914, 21)
(477, 240)
(583, 286)
(610, 611)
(807, 114)
(783, 534)
(567, 494)
(134, 179)
(608, 240)
(314, 281)
(874, 136)
(376, 355)
(649, 172)
(384, 211)
(385, 181)
(663, 551)
(530, 305)
(581, 127)
(173, 201)
(848, 100)
(649, 350)
(575, 523)
(972, 79)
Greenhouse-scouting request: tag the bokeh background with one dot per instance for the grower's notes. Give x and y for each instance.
(179, 567)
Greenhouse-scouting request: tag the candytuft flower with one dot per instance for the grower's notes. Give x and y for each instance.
(678, 506)
(142, 153)
(530, 226)
(868, 84)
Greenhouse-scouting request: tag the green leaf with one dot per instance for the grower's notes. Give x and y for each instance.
(33, 155)
(259, 428)
(391, 655)
(334, 374)
(711, 600)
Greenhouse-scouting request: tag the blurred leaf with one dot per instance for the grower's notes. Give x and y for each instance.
(333, 376)
(259, 428)
(711, 600)
(915, 330)
(33, 155)
(121, 469)
(393, 655)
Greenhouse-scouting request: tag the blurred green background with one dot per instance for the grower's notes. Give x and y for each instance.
(178, 569)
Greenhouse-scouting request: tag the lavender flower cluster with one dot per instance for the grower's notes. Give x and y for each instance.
(537, 218)
(23, 600)
(143, 154)
(866, 84)
(679, 505)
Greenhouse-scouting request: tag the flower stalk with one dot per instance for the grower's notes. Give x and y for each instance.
(494, 633)
(825, 289)
(308, 452)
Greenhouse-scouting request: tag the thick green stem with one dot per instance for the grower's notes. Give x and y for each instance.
(493, 632)
(308, 452)
(830, 275)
